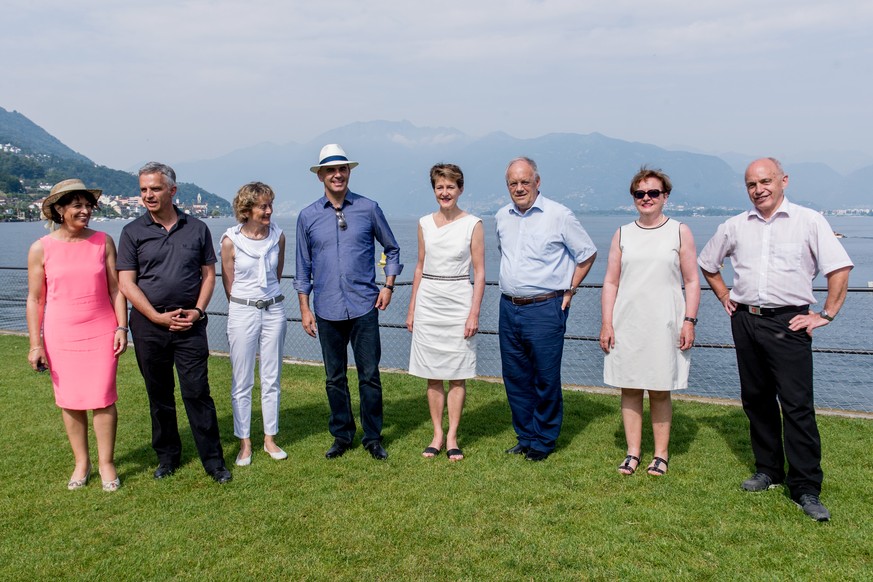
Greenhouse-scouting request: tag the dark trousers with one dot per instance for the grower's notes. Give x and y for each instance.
(363, 334)
(531, 347)
(775, 367)
(157, 351)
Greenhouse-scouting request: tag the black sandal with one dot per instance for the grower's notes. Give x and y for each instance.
(626, 466)
(655, 469)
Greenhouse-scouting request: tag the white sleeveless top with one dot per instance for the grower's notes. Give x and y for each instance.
(255, 265)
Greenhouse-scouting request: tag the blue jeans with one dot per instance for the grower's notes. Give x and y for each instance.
(363, 334)
(531, 347)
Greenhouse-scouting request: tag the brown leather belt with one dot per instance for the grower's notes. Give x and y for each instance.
(771, 311)
(534, 299)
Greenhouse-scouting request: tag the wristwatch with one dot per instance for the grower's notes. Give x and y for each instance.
(691, 320)
(574, 290)
(202, 314)
(826, 315)
(390, 288)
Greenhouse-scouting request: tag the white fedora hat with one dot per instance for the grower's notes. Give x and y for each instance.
(332, 155)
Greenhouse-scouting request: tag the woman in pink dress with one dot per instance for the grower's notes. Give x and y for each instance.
(77, 322)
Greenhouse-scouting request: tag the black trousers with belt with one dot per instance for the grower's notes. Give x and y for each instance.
(157, 350)
(775, 367)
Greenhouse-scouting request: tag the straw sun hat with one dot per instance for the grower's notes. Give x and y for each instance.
(65, 187)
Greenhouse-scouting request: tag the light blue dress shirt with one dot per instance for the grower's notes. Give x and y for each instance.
(540, 248)
(339, 265)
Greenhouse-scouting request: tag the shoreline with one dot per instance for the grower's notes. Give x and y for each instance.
(601, 390)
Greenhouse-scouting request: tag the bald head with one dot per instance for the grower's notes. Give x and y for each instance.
(765, 183)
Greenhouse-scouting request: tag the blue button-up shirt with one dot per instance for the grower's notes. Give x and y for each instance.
(339, 265)
(540, 248)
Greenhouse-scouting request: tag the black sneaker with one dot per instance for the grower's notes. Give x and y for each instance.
(759, 482)
(812, 506)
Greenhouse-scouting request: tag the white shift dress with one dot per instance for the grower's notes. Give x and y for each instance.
(442, 304)
(649, 312)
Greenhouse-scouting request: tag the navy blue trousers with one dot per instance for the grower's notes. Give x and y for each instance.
(531, 347)
(363, 334)
(775, 367)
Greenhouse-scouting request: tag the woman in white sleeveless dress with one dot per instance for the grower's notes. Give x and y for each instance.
(252, 256)
(647, 324)
(444, 307)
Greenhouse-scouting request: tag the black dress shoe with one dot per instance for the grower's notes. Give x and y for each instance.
(164, 470)
(535, 455)
(221, 475)
(377, 451)
(337, 449)
(518, 449)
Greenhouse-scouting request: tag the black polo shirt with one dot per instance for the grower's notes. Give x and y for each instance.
(167, 264)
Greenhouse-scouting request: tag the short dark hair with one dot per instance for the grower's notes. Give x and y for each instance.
(450, 172)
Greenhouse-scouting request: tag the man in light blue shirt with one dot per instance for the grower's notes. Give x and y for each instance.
(336, 261)
(544, 256)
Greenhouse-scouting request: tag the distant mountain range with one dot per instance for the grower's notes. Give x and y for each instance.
(589, 173)
(31, 155)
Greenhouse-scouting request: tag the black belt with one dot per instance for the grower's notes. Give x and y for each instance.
(771, 311)
(259, 303)
(535, 299)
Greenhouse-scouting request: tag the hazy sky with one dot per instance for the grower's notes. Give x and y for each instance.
(126, 82)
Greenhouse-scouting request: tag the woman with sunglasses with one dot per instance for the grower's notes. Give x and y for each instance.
(647, 323)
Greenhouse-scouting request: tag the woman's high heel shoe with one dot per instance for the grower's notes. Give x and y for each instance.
(112, 485)
(79, 483)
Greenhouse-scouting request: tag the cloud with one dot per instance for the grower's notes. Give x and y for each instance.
(125, 81)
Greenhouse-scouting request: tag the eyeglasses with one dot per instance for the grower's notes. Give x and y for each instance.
(341, 219)
(640, 194)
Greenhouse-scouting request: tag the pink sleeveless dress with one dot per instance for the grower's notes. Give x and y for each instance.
(79, 323)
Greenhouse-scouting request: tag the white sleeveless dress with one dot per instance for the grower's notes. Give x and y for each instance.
(442, 304)
(649, 312)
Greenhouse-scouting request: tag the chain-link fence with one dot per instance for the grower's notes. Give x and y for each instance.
(843, 349)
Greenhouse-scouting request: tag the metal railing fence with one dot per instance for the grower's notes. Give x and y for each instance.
(843, 350)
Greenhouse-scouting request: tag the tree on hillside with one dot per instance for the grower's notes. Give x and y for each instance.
(10, 184)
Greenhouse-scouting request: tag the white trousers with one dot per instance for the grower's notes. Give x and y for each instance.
(251, 330)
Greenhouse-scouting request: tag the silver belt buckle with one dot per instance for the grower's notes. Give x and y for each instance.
(260, 303)
(754, 310)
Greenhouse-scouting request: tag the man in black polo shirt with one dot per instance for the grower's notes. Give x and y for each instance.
(166, 269)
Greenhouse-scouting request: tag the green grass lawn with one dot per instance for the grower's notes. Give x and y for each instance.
(491, 516)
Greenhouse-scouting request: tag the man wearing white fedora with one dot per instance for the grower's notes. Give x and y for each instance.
(336, 261)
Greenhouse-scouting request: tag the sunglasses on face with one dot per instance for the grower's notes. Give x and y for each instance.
(341, 219)
(640, 194)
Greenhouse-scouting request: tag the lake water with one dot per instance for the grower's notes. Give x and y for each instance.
(858, 230)
(842, 378)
